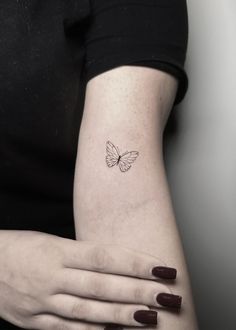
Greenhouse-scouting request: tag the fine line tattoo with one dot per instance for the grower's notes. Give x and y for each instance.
(114, 157)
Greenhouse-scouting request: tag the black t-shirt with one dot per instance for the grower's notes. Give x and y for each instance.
(48, 52)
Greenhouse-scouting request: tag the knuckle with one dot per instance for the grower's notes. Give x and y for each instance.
(138, 294)
(117, 316)
(99, 258)
(26, 309)
(97, 289)
(62, 281)
(78, 310)
(33, 322)
(137, 267)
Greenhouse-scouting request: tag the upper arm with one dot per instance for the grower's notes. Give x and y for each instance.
(134, 70)
(128, 102)
(127, 106)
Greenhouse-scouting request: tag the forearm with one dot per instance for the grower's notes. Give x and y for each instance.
(146, 224)
(133, 209)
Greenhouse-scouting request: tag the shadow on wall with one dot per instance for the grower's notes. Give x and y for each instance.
(200, 156)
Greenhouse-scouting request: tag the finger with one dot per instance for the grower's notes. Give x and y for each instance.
(115, 259)
(115, 288)
(81, 309)
(49, 322)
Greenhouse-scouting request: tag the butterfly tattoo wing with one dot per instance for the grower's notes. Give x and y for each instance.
(112, 154)
(127, 159)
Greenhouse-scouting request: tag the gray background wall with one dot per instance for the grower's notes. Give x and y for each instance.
(200, 153)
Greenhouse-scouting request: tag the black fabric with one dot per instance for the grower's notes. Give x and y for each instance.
(150, 33)
(48, 52)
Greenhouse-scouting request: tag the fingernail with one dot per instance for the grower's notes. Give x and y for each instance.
(113, 326)
(164, 272)
(144, 316)
(169, 300)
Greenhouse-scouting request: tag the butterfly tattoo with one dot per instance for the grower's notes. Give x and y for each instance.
(114, 157)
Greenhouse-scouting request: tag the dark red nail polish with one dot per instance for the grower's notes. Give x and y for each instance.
(147, 317)
(113, 326)
(164, 272)
(169, 300)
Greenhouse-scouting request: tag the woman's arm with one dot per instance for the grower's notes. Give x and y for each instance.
(129, 106)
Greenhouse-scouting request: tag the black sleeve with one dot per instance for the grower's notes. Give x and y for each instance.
(151, 33)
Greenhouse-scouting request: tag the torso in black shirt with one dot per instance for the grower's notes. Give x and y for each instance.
(41, 97)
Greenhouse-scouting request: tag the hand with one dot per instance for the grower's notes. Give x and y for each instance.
(49, 282)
